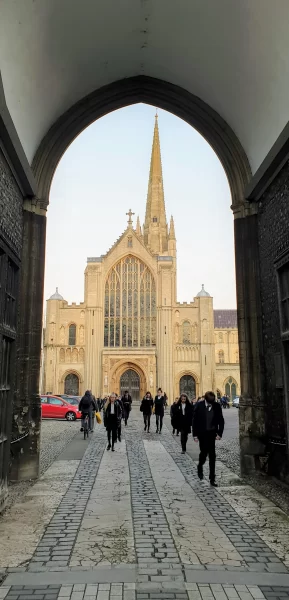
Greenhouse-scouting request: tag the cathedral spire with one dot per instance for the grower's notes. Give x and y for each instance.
(155, 227)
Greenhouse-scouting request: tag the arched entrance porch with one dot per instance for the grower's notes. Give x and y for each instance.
(129, 376)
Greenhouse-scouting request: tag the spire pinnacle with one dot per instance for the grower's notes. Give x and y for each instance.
(172, 234)
(155, 227)
(138, 227)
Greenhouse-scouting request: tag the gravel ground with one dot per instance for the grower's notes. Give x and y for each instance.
(229, 454)
(55, 435)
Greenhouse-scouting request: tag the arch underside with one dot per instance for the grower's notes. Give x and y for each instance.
(150, 91)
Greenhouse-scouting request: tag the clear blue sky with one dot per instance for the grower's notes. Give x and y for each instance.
(105, 172)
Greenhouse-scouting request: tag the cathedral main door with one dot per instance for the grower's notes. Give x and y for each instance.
(130, 381)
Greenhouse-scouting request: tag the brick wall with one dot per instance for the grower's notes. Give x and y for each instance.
(273, 237)
(11, 202)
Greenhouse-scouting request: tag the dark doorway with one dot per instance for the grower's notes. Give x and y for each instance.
(130, 381)
(71, 385)
(188, 386)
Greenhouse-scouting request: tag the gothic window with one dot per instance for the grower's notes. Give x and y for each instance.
(129, 241)
(231, 388)
(72, 335)
(186, 332)
(221, 356)
(130, 305)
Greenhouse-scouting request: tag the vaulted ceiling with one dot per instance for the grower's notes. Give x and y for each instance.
(232, 54)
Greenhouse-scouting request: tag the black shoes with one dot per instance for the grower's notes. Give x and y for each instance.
(119, 439)
(213, 484)
(173, 432)
(112, 449)
(200, 472)
(81, 428)
(183, 452)
(157, 431)
(177, 433)
(145, 428)
(108, 447)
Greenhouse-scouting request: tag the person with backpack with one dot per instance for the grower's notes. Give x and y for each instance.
(86, 407)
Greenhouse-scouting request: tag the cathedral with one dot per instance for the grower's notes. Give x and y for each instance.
(130, 333)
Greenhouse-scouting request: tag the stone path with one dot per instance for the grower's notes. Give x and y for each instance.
(138, 524)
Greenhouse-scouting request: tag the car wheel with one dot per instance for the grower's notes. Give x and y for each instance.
(70, 416)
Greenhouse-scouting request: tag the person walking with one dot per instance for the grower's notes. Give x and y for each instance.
(159, 404)
(146, 408)
(126, 401)
(112, 417)
(174, 416)
(93, 411)
(120, 403)
(185, 418)
(86, 406)
(208, 426)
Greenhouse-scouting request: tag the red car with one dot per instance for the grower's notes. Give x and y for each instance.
(53, 407)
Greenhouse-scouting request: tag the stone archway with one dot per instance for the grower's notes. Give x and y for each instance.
(236, 165)
(123, 367)
(130, 381)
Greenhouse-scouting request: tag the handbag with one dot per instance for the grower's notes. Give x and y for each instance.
(98, 417)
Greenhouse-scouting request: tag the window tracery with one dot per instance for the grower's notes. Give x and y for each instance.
(130, 305)
(186, 332)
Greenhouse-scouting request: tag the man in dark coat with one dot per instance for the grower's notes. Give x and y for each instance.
(208, 426)
(185, 417)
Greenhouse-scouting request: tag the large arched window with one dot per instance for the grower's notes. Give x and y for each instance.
(130, 305)
(231, 388)
(186, 332)
(72, 335)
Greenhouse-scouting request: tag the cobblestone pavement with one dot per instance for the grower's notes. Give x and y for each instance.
(138, 524)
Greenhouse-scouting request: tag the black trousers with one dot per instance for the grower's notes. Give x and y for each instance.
(111, 435)
(207, 443)
(159, 421)
(119, 432)
(184, 439)
(147, 421)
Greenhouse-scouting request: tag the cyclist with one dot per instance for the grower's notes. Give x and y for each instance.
(86, 406)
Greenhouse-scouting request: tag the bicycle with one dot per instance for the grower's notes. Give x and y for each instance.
(86, 427)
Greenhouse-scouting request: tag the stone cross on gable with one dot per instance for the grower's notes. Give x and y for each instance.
(130, 215)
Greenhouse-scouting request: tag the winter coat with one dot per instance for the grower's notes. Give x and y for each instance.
(112, 421)
(159, 404)
(200, 419)
(185, 420)
(126, 402)
(86, 403)
(146, 406)
(174, 416)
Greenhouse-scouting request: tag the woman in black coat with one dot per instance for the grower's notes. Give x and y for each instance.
(185, 418)
(126, 401)
(146, 408)
(159, 405)
(174, 414)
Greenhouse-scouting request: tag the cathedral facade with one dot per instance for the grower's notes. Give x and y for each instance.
(130, 332)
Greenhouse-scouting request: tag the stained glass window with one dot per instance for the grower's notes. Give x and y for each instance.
(72, 335)
(130, 305)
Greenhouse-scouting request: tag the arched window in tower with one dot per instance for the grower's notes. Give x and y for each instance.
(72, 335)
(221, 356)
(130, 305)
(186, 332)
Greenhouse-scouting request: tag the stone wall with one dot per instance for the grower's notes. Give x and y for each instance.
(273, 237)
(11, 225)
